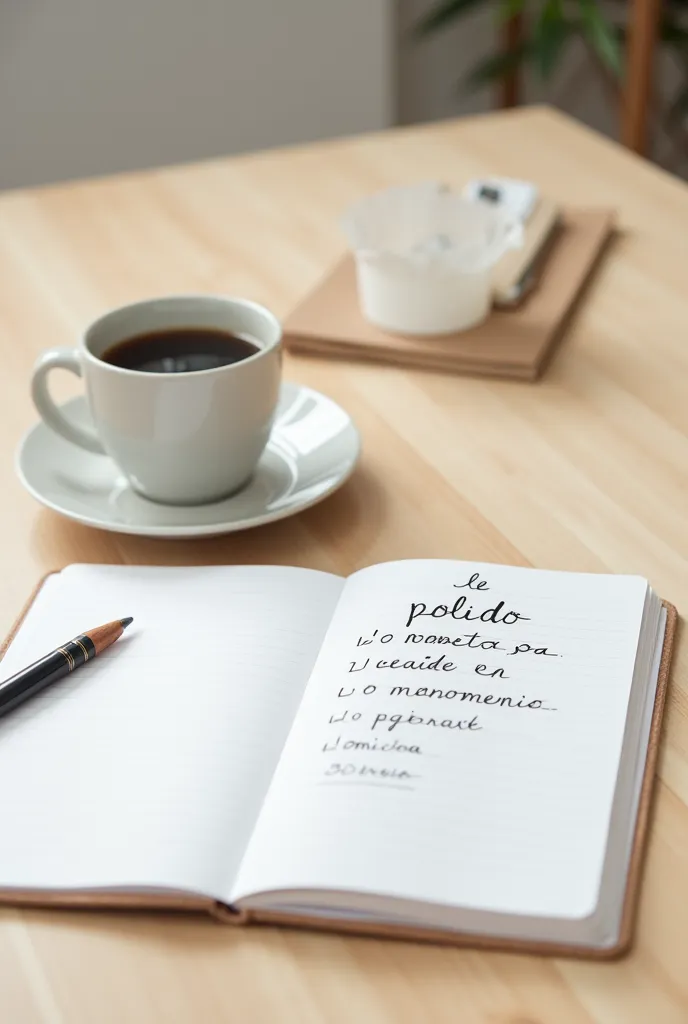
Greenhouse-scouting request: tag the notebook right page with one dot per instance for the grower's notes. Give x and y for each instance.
(458, 742)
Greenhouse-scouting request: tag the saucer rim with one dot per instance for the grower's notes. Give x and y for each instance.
(184, 532)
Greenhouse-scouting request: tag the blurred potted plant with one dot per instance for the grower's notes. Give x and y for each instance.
(544, 29)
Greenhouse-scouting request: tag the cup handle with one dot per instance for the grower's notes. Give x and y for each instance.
(64, 359)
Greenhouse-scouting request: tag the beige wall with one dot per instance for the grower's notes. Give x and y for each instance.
(428, 70)
(96, 86)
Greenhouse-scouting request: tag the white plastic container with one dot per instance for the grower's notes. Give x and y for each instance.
(424, 257)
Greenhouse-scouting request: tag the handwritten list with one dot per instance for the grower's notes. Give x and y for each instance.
(434, 690)
(464, 717)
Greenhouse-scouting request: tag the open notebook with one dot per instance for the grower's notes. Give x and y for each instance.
(436, 749)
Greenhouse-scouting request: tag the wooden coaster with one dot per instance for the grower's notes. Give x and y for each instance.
(511, 343)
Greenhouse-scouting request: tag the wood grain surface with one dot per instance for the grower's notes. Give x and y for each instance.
(585, 470)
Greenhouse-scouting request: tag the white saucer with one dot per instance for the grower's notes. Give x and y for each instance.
(312, 450)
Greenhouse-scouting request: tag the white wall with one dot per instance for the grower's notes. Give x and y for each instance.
(97, 86)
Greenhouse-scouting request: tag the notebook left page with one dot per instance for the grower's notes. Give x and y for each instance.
(146, 768)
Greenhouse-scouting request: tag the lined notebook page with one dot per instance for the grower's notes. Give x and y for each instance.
(482, 773)
(147, 767)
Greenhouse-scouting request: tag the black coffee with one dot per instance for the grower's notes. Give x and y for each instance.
(180, 350)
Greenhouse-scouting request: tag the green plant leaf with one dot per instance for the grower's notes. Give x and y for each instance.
(508, 8)
(551, 33)
(601, 35)
(497, 66)
(678, 109)
(443, 14)
(672, 33)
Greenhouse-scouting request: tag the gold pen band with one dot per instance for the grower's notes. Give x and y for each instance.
(78, 641)
(69, 657)
(58, 663)
(78, 651)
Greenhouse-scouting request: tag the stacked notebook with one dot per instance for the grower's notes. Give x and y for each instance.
(454, 751)
(515, 343)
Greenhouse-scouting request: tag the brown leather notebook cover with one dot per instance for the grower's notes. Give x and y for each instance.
(512, 343)
(226, 914)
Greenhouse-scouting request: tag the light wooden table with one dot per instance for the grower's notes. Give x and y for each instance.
(587, 470)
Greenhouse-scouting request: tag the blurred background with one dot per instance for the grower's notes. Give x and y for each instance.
(91, 87)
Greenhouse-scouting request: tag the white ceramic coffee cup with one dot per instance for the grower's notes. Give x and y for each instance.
(179, 438)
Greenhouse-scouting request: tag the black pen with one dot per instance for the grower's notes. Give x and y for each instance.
(59, 663)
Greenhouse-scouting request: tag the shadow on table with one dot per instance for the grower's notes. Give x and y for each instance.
(332, 536)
